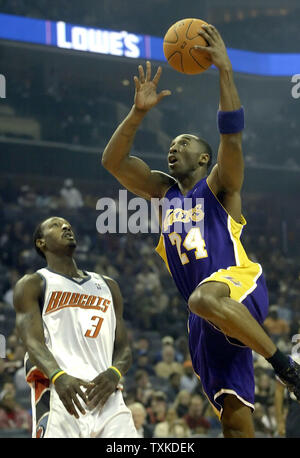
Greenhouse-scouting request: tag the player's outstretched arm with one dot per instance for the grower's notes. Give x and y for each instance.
(107, 382)
(228, 175)
(130, 171)
(29, 324)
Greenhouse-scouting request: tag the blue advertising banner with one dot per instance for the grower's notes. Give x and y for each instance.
(126, 44)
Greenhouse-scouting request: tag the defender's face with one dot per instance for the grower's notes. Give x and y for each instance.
(183, 156)
(58, 234)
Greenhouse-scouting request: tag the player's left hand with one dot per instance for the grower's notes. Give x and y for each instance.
(101, 388)
(216, 46)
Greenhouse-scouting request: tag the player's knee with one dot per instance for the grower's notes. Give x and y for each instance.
(229, 421)
(202, 303)
(236, 418)
(234, 428)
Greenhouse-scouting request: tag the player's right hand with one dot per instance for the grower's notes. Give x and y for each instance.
(146, 96)
(68, 388)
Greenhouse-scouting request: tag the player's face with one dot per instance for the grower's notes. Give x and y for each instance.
(183, 156)
(58, 235)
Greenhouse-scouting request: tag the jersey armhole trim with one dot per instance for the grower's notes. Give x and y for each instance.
(243, 222)
(42, 296)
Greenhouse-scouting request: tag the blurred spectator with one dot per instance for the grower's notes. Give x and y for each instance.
(142, 362)
(264, 390)
(12, 342)
(163, 428)
(12, 415)
(157, 410)
(139, 417)
(20, 382)
(8, 295)
(179, 429)
(71, 195)
(276, 326)
(181, 403)
(189, 380)
(283, 310)
(182, 347)
(173, 386)
(27, 198)
(167, 340)
(142, 386)
(148, 280)
(194, 418)
(262, 425)
(168, 365)
(141, 344)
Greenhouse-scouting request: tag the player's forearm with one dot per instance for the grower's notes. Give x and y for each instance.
(229, 97)
(40, 356)
(122, 359)
(119, 146)
(230, 155)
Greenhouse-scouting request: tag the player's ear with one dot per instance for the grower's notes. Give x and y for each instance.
(203, 159)
(40, 243)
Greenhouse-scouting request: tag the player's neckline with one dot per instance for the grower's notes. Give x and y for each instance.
(191, 190)
(77, 280)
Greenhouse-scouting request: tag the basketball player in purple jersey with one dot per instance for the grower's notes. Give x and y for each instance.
(225, 291)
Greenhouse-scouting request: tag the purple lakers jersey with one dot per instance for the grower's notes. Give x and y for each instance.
(198, 237)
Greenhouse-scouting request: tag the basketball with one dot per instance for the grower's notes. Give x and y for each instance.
(178, 45)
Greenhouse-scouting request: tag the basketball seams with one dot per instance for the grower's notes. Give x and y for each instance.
(172, 42)
(202, 66)
(198, 63)
(187, 31)
(181, 60)
(179, 43)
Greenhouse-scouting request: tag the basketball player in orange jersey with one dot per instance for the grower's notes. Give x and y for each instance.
(225, 291)
(72, 326)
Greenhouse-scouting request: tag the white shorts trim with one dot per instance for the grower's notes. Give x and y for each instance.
(229, 391)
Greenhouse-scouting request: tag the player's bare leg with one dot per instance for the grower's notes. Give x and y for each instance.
(236, 419)
(211, 301)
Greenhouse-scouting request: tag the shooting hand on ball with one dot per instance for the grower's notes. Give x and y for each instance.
(146, 95)
(216, 47)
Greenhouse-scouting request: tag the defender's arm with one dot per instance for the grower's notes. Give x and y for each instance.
(106, 382)
(29, 324)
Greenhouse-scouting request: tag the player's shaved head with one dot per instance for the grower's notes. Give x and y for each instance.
(38, 234)
(204, 148)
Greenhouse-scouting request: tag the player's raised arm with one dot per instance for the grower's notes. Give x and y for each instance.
(29, 324)
(229, 173)
(130, 171)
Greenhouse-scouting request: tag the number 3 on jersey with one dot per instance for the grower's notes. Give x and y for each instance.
(93, 333)
(192, 241)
